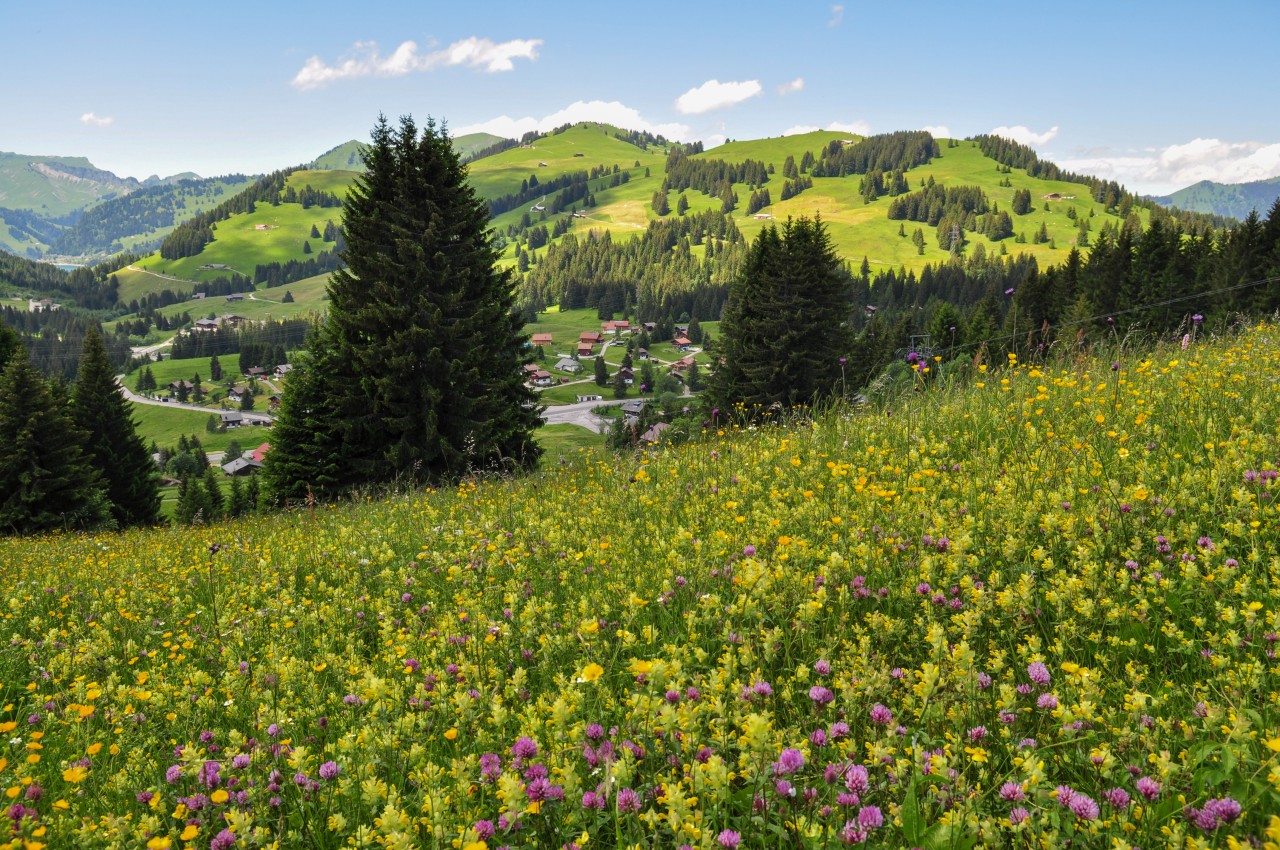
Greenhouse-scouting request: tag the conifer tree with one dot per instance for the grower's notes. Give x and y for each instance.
(424, 345)
(785, 324)
(46, 481)
(601, 372)
(115, 449)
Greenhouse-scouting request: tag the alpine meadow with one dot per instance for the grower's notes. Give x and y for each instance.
(451, 427)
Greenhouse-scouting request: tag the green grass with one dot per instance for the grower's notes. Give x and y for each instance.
(163, 425)
(774, 151)
(566, 441)
(239, 244)
(568, 393)
(309, 297)
(334, 181)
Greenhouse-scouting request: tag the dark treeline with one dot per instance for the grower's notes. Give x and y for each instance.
(88, 289)
(647, 278)
(266, 338)
(309, 197)
(55, 338)
(886, 152)
(642, 139)
(931, 203)
(26, 224)
(1109, 193)
(190, 237)
(278, 274)
(101, 228)
(531, 189)
(493, 149)
(710, 176)
(1132, 282)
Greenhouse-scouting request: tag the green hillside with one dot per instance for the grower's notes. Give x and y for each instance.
(277, 233)
(1235, 200)
(138, 221)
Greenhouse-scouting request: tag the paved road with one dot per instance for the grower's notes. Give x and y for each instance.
(249, 416)
(579, 414)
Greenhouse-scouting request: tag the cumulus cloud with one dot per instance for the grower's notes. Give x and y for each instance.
(1026, 136)
(1177, 166)
(606, 112)
(837, 15)
(92, 120)
(938, 131)
(714, 94)
(857, 128)
(365, 60)
(792, 87)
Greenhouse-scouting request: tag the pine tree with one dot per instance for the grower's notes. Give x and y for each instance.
(425, 346)
(217, 502)
(601, 372)
(46, 480)
(215, 369)
(116, 450)
(785, 324)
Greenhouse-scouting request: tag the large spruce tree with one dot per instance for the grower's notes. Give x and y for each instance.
(785, 325)
(46, 481)
(115, 449)
(416, 375)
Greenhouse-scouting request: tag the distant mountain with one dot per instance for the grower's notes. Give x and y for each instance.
(40, 196)
(347, 156)
(138, 221)
(1236, 200)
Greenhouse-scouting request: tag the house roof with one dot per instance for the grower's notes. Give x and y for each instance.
(654, 432)
(231, 416)
(541, 339)
(633, 406)
(590, 336)
(260, 452)
(568, 364)
(240, 463)
(682, 340)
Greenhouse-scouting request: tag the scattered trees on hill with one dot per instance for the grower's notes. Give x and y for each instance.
(709, 176)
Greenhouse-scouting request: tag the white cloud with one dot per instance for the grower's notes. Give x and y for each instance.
(365, 60)
(715, 140)
(938, 131)
(95, 120)
(857, 128)
(714, 94)
(606, 112)
(837, 15)
(1026, 136)
(1175, 167)
(792, 87)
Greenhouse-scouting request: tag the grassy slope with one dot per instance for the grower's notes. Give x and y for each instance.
(163, 425)
(989, 529)
(858, 230)
(190, 206)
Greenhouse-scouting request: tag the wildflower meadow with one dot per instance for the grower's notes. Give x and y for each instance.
(1038, 608)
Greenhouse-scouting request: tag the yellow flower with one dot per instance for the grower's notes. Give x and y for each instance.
(159, 843)
(94, 749)
(451, 734)
(219, 796)
(476, 845)
(639, 667)
(190, 832)
(74, 774)
(1273, 744)
(592, 672)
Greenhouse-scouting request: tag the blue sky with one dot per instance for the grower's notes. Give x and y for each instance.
(1155, 94)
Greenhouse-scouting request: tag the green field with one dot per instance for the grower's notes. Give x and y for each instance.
(163, 425)
(267, 235)
(565, 442)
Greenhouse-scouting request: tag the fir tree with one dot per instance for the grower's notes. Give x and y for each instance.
(785, 324)
(601, 372)
(215, 369)
(115, 449)
(46, 480)
(425, 380)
